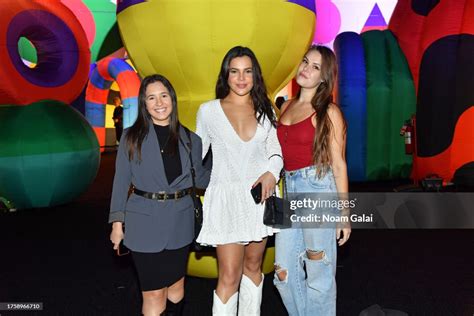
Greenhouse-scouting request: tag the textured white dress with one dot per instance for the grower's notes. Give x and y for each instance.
(230, 214)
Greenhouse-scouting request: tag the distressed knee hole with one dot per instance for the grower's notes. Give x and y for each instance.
(315, 255)
(281, 273)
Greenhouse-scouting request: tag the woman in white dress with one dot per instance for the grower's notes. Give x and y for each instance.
(240, 127)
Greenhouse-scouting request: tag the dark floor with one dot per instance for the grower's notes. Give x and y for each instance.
(62, 257)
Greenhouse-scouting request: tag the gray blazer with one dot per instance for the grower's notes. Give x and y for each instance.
(152, 225)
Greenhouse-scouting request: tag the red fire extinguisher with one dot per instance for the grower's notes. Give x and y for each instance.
(407, 132)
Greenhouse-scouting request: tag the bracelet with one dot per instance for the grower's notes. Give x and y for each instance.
(275, 155)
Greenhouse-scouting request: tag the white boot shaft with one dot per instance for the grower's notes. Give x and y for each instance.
(227, 309)
(250, 297)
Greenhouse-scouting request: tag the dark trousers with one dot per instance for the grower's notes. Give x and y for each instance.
(118, 132)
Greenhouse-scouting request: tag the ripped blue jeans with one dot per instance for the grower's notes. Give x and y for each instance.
(309, 286)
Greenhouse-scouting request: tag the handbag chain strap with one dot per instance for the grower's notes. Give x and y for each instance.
(282, 177)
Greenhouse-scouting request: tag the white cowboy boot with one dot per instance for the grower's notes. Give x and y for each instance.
(250, 297)
(227, 309)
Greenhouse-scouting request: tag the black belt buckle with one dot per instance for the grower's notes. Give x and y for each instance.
(161, 196)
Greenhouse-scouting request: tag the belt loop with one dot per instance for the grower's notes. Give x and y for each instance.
(309, 169)
(304, 172)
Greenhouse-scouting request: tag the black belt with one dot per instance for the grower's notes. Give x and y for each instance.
(162, 196)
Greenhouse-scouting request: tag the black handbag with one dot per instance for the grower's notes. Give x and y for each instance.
(196, 199)
(277, 212)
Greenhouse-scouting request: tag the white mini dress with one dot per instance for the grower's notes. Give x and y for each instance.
(230, 214)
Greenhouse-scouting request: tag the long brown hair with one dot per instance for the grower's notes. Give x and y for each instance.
(321, 101)
(139, 130)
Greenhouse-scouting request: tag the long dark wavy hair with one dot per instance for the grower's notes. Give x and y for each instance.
(321, 101)
(261, 101)
(139, 130)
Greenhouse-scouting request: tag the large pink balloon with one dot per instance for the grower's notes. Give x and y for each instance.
(328, 21)
(85, 17)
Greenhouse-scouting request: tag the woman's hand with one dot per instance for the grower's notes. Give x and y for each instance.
(268, 182)
(116, 235)
(345, 229)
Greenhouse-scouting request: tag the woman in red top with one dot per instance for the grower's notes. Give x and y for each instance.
(312, 134)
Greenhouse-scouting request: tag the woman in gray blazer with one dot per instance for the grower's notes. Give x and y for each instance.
(153, 159)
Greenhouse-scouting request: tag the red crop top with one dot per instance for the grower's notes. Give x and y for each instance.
(296, 142)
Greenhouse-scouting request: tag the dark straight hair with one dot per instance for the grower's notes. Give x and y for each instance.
(139, 130)
(260, 99)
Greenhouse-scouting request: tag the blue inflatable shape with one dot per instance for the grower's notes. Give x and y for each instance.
(352, 98)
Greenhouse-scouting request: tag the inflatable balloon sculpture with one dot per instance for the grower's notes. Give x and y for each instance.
(48, 152)
(437, 38)
(186, 41)
(108, 71)
(377, 94)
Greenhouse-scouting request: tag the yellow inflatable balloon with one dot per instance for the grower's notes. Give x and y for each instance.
(204, 264)
(186, 40)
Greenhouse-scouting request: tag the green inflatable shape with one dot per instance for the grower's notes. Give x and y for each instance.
(27, 50)
(112, 42)
(390, 101)
(49, 154)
